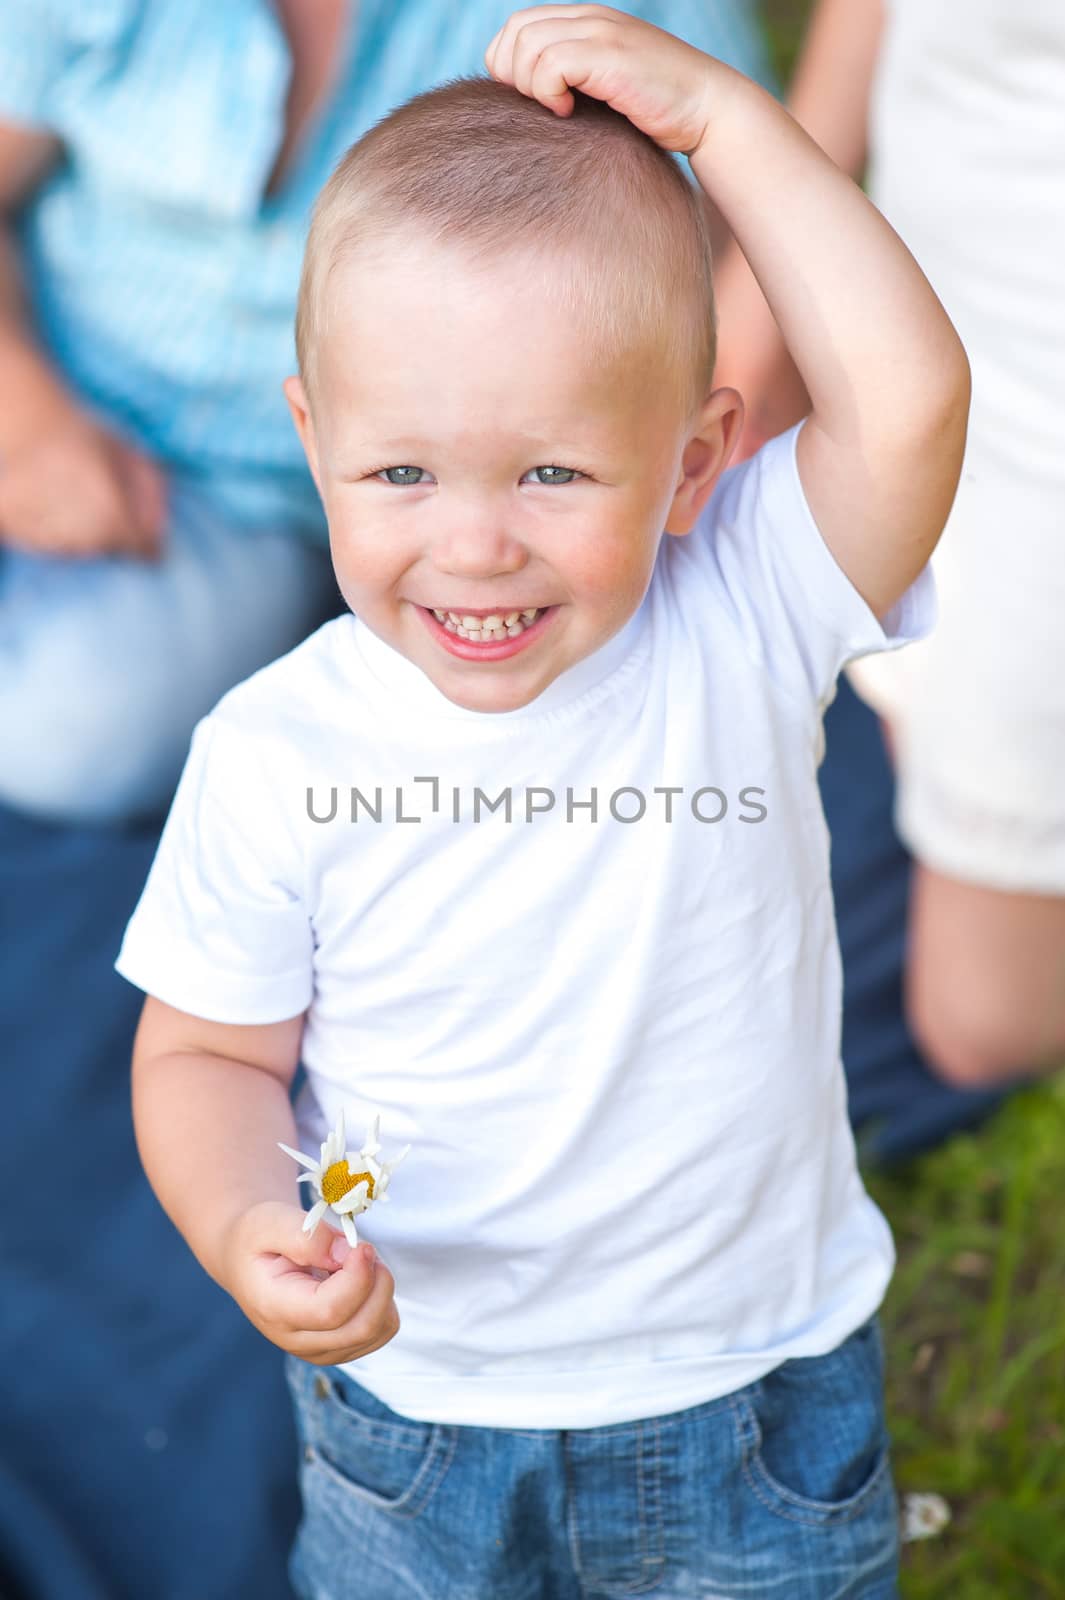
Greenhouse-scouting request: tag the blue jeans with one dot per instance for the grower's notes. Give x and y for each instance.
(779, 1491)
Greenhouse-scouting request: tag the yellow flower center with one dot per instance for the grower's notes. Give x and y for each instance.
(337, 1180)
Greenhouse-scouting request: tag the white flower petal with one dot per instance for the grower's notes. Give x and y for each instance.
(333, 1149)
(354, 1200)
(404, 1152)
(308, 1177)
(297, 1155)
(350, 1231)
(315, 1215)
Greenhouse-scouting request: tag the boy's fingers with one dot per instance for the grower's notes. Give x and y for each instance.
(294, 1261)
(553, 71)
(352, 1305)
(276, 1229)
(499, 57)
(322, 1247)
(385, 1329)
(373, 1325)
(547, 64)
(309, 1284)
(315, 1304)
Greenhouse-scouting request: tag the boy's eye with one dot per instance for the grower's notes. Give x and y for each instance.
(560, 475)
(412, 476)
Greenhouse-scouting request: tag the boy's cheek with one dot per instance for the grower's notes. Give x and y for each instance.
(366, 560)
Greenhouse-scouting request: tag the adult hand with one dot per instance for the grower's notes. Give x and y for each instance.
(71, 488)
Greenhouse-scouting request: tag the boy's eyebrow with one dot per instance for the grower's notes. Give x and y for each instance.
(390, 444)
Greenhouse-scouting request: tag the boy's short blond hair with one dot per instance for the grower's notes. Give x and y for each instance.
(619, 235)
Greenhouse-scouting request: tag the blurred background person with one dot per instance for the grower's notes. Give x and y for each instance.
(963, 118)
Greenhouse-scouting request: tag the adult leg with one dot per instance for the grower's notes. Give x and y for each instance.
(897, 1104)
(977, 731)
(107, 665)
(978, 710)
(181, 1409)
(146, 1443)
(985, 982)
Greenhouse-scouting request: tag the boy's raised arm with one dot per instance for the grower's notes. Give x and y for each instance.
(888, 380)
(887, 376)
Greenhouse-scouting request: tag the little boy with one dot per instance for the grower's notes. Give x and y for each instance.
(527, 854)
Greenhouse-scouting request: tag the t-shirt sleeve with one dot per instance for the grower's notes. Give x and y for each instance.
(757, 555)
(221, 929)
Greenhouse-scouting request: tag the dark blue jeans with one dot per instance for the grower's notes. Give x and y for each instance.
(781, 1489)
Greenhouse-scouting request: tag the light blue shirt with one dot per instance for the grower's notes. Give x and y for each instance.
(162, 281)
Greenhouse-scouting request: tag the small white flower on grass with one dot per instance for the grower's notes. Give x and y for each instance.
(923, 1517)
(346, 1182)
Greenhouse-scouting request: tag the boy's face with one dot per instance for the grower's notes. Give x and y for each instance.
(444, 395)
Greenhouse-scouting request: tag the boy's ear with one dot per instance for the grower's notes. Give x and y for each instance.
(298, 404)
(712, 438)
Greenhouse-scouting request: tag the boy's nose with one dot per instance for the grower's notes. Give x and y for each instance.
(478, 547)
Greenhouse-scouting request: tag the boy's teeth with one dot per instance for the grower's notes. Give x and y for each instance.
(496, 626)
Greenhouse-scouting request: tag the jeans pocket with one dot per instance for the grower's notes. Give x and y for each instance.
(363, 1448)
(812, 1434)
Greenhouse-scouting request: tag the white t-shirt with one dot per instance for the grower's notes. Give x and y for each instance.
(612, 1040)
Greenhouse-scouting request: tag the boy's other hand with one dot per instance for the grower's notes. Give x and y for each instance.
(73, 489)
(309, 1293)
(663, 85)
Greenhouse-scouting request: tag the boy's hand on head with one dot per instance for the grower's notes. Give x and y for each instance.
(880, 455)
(309, 1293)
(74, 489)
(663, 85)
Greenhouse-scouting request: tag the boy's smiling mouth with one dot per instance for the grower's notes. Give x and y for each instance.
(488, 635)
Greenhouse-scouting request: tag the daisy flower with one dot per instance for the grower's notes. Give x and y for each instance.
(922, 1517)
(345, 1182)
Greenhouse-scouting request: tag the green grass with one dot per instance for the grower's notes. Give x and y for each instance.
(974, 1327)
(974, 1321)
